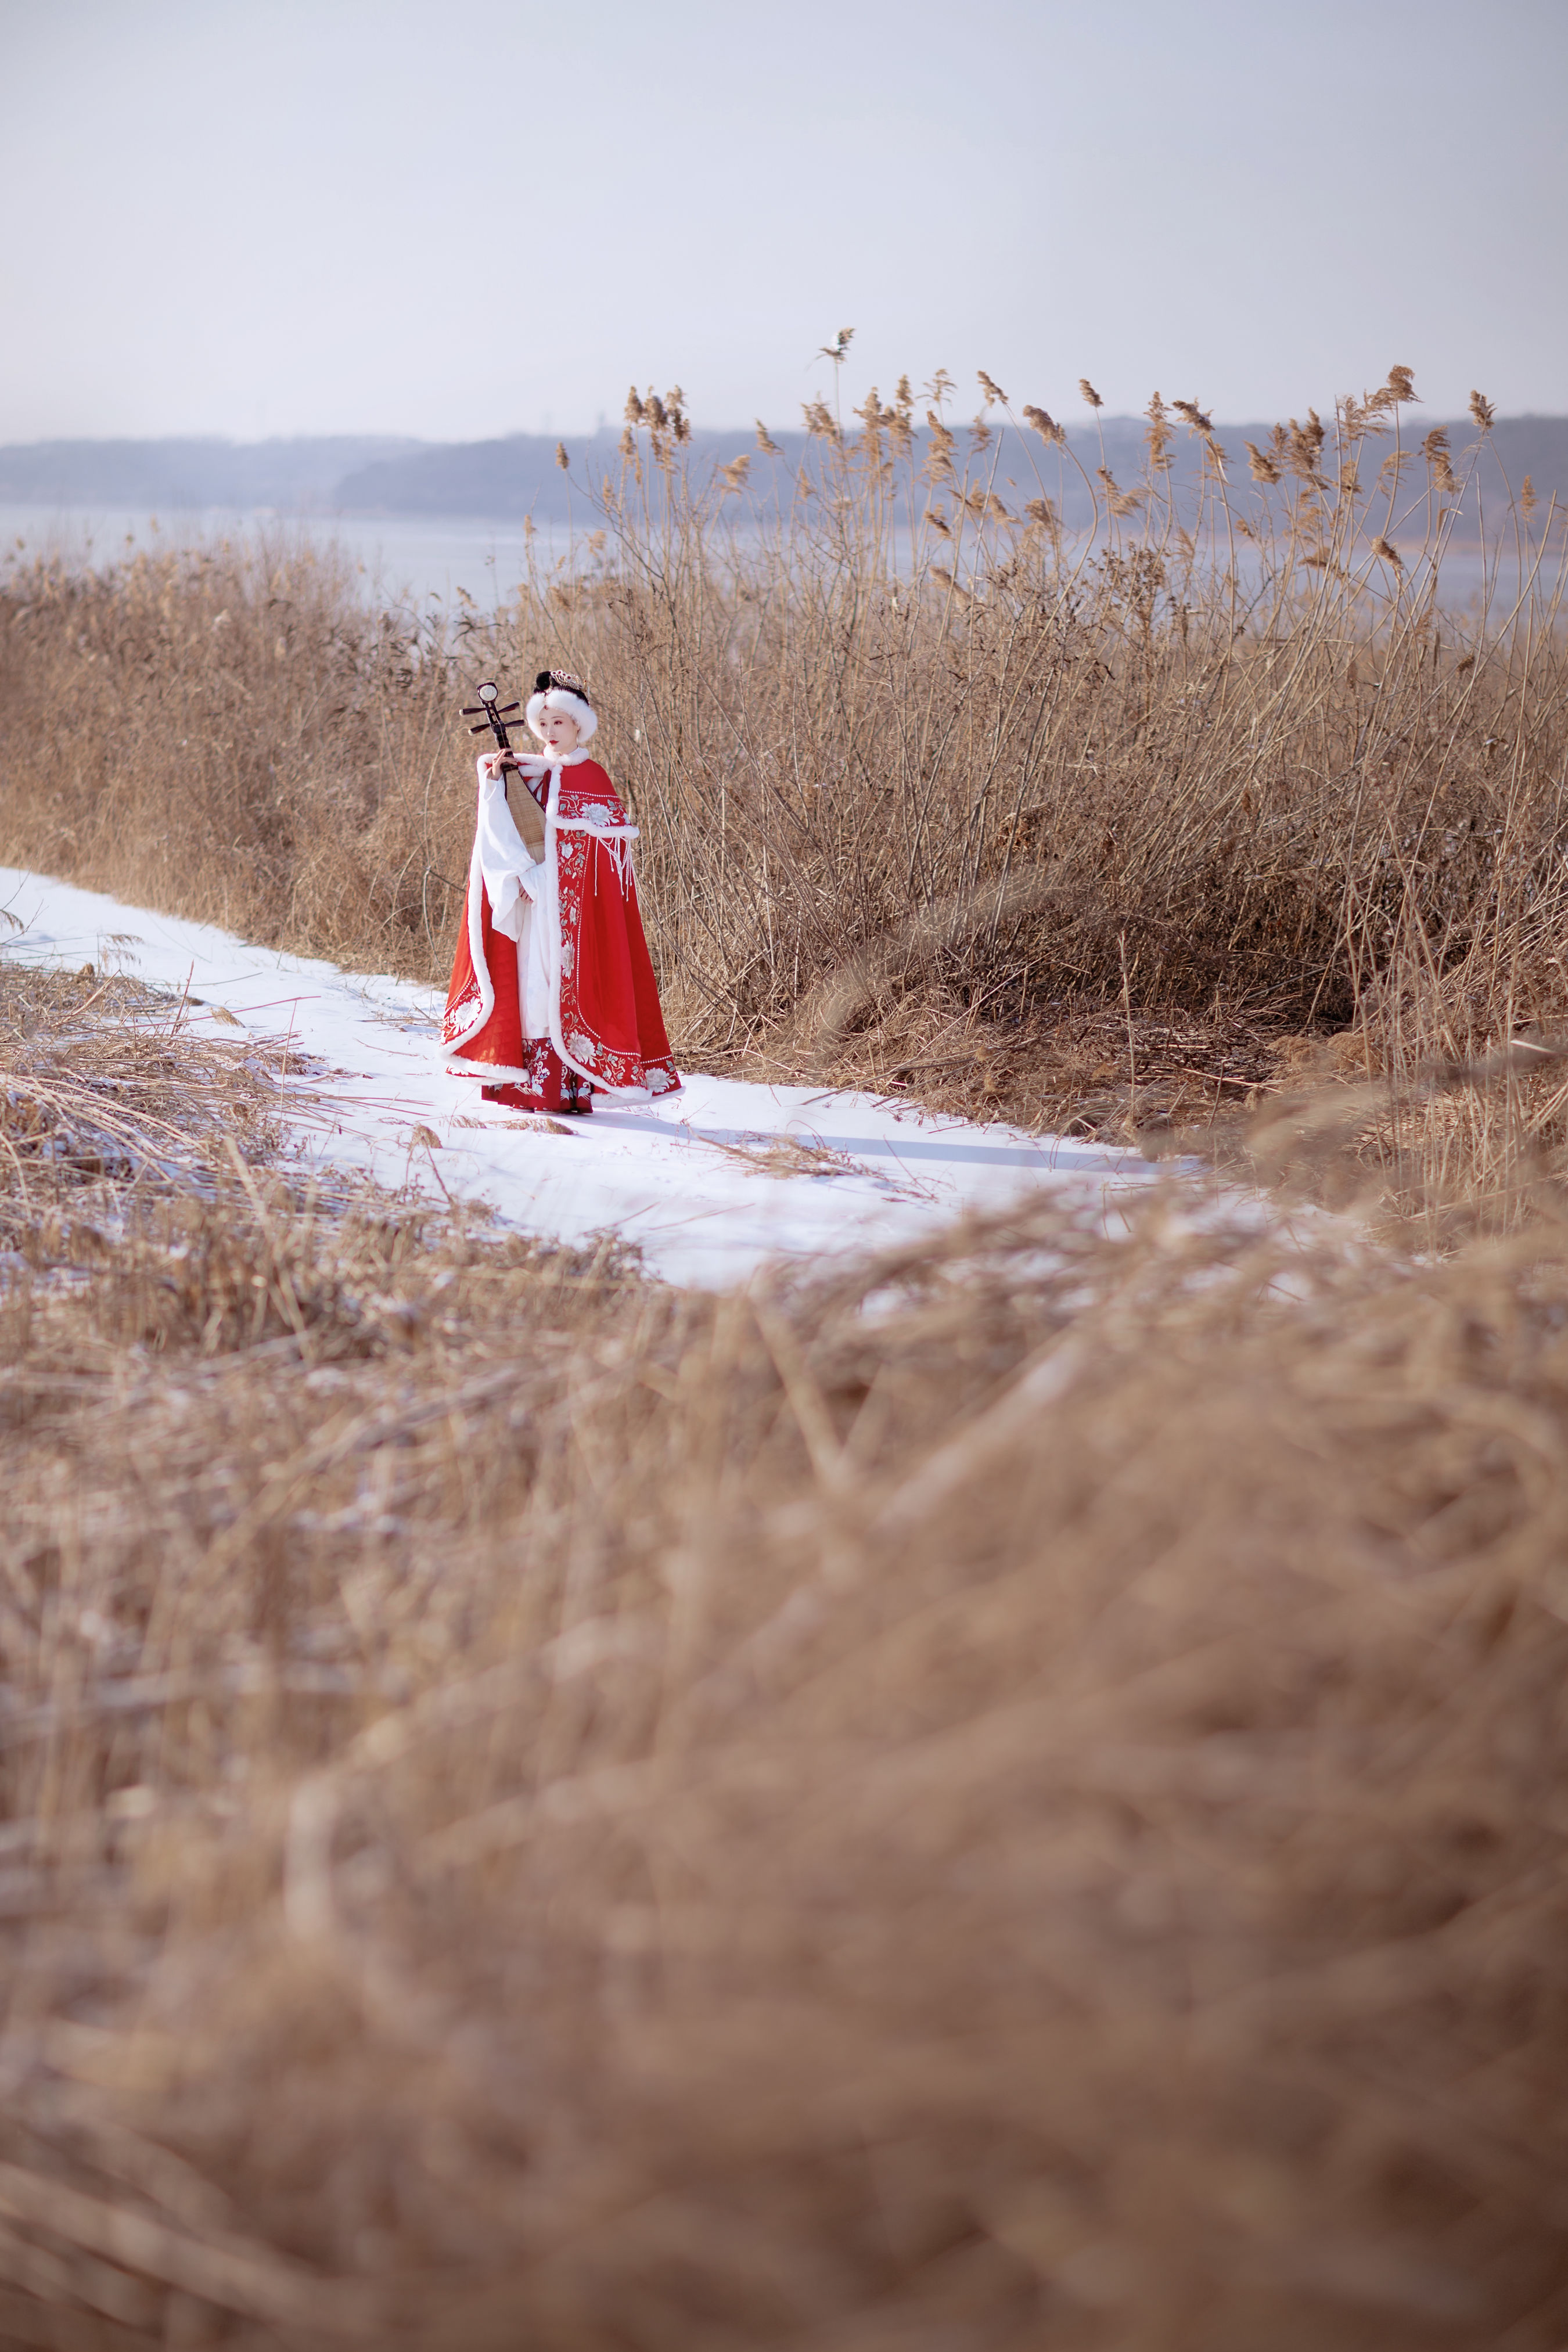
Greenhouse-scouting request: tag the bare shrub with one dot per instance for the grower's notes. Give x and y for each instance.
(225, 733)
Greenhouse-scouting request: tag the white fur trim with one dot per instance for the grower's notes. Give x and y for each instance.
(562, 699)
(476, 956)
(552, 903)
(492, 1074)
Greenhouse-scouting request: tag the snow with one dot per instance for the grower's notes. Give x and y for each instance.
(694, 1180)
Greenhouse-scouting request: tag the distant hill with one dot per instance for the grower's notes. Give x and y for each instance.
(297, 476)
(508, 479)
(504, 480)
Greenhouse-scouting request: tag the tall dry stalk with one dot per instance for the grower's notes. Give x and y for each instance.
(1005, 1796)
(891, 730)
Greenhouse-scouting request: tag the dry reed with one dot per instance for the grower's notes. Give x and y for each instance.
(1007, 1796)
(906, 754)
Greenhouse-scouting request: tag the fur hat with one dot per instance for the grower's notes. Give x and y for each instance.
(557, 689)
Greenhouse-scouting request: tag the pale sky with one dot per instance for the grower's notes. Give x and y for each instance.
(458, 219)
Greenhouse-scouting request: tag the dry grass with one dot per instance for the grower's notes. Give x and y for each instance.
(111, 1098)
(228, 735)
(925, 784)
(1007, 1796)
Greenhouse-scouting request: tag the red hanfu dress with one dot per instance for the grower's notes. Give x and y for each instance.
(553, 989)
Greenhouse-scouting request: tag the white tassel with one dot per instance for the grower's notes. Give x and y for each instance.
(616, 840)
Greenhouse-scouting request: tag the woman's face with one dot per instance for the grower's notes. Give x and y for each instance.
(558, 731)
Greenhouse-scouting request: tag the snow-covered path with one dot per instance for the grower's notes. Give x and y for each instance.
(695, 1180)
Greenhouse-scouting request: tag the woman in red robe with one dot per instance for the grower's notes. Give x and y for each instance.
(553, 997)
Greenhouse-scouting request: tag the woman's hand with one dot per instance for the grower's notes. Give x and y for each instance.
(493, 763)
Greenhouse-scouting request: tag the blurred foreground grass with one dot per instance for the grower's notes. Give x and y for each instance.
(1008, 1795)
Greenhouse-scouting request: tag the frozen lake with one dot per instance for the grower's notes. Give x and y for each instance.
(396, 555)
(422, 557)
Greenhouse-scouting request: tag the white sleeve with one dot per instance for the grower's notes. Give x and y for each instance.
(510, 874)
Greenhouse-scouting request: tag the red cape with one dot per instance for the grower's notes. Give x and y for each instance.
(604, 1017)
